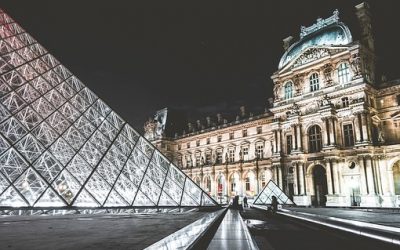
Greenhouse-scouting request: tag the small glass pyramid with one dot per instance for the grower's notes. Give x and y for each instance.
(271, 189)
(62, 146)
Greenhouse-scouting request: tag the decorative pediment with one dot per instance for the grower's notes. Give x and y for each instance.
(312, 54)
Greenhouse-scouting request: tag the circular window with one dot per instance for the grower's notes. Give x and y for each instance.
(352, 165)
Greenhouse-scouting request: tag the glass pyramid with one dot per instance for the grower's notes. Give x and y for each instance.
(271, 189)
(61, 146)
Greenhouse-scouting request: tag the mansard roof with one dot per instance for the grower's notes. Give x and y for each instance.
(329, 32)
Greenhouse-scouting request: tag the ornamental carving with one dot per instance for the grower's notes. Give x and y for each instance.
(355, 64)
(327, 69)
(298, 82)
(310, 55)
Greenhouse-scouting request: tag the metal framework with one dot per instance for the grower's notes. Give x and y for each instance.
(61, 146)
(271, 189)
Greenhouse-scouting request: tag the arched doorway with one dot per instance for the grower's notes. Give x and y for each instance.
(235, 184)
(250, 184)
(396, 178)
(320, 185)
(207, 184)
(221, 189)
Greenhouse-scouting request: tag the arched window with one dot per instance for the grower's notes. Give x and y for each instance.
(314, 82)
(343, 73)
(288, 90)
(314, 139)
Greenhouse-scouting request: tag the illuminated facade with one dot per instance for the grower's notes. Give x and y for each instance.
(331, 137)
(63, 147)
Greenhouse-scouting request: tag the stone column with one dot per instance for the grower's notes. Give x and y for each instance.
(329, 175)
(325, 134)
(279, 140)
(336, 176)
(363, 176)
(364, 127)
(294, 140)
(357, 128)
(280, 177)
(378, 177)
(295, 182)
(299, 141)
(331, 131)
(370, 176)
(301, 178)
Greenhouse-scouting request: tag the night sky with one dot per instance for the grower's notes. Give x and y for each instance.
(200, 57)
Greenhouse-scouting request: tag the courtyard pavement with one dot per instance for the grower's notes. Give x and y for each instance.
(106, 231)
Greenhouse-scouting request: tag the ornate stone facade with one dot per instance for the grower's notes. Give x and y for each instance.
(331, 138)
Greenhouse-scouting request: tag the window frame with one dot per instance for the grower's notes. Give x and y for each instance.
(314, 139)
(314, 82)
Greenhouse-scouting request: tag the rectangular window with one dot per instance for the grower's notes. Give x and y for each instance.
(208, 140)
(247, 184)
(345, 102)
(245, 151)
(208, 158)
(289, 144)
(259, 130)
(188, 161)
(231, 155)
(260, 150)
(219, 156)
(198, 160)
(244, 132)
(348, 135)
(179, 146)
(188, 145)
(198, 143)
(398, 99)
(231, 135)
(219, 138)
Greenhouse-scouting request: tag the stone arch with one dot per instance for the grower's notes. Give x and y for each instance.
(317, 183)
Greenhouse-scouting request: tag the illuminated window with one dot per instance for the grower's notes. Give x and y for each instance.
(314, 139)
(247, 183)
(343, 73)
(245, 152)
(314, 82)
(288, 90)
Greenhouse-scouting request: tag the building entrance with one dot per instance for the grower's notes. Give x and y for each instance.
(320, 186)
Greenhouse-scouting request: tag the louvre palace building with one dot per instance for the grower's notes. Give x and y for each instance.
(331, 136)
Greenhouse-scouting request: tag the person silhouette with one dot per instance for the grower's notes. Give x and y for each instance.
(274, 204)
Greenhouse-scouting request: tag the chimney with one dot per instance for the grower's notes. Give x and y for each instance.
(219, 118)
(364, 18)
(198, 123)
(242, 111)
(287, 42)
(208, 120)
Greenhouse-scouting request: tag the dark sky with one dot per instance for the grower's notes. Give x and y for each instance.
(201, 57)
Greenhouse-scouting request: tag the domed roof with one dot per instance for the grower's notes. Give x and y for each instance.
(329, 32)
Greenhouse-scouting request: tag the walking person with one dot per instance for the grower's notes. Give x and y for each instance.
(245, 202)
(274, 204)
